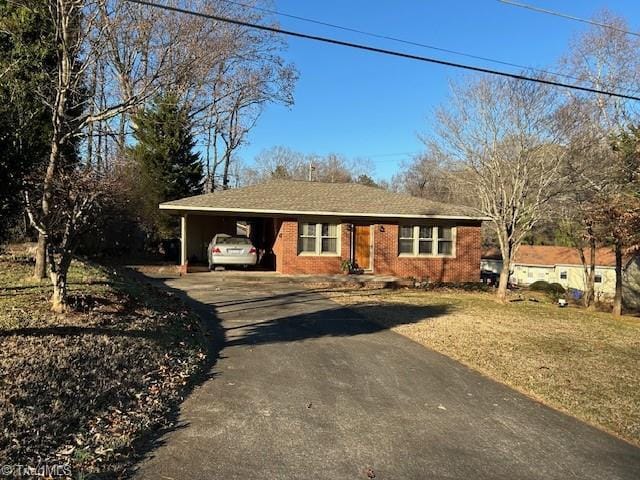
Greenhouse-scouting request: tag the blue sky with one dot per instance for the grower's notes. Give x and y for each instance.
(363, 104)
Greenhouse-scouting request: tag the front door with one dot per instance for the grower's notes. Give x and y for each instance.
(362, 235)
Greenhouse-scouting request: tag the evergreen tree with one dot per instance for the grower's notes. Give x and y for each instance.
(165, 159)
(27, 64)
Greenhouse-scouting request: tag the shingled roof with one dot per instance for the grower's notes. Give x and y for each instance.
(551, 255)
(317, 198)
(554, 255)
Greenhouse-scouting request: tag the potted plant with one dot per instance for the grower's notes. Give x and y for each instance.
(346, 266)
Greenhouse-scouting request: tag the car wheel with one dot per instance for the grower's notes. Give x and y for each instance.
(211, 267)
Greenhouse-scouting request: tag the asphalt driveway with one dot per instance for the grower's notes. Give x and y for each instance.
(305, 388)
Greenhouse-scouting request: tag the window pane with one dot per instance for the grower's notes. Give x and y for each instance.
(406, 232)
(444, 233)
(329, 230)
(444, 247)
(425, 246)
(308, 229)
(426, 232)
(307, 244)
(406, 246)
(329, 245)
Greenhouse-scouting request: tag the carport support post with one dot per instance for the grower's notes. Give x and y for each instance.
(183, 243)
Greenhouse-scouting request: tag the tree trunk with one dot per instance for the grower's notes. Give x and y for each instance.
(589, 293)
(40, 270)
(504, 280)
(225, 174)
(59, 281)
(617, 299)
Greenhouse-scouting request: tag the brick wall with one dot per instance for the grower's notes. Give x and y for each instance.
(286, 251)
(465, 267)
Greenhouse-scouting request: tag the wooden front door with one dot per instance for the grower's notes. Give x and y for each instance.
(362, 236)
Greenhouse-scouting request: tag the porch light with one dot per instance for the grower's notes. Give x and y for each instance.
(382, 228)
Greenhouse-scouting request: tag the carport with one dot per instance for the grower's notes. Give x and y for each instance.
(198, 228)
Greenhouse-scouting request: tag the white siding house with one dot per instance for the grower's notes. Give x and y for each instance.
(555, 264)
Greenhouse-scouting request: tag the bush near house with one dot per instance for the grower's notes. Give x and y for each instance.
(87, 388)
(554, 290)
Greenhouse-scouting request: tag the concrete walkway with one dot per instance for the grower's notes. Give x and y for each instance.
(305, 388)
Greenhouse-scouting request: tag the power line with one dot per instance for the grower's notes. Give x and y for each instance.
(383, 51)
(570, 17)
(400, 40)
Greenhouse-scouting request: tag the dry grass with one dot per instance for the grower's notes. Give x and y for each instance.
(88, 388)
(583, 363)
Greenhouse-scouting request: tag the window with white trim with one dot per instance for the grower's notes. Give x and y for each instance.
(426, 240)
(405, 243)
(563, 274)
(328, 238)
(307, 238)
(317, 238)
(445, 240)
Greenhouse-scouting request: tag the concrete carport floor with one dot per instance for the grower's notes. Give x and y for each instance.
(304, 388)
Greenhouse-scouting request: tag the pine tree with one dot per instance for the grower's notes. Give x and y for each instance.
(165, 159)
(27, 60)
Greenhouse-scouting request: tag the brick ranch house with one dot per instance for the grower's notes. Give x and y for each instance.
(311, 227)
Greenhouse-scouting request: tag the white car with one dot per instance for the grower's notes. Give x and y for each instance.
(228, 250)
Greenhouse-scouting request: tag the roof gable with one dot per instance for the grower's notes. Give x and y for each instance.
(318, 198)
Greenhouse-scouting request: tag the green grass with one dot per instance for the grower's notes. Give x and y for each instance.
(88, 386)
(584, 363)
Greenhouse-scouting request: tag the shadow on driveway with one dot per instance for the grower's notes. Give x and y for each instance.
(305, 388)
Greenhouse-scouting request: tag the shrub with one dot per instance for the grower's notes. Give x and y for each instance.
(554, 290)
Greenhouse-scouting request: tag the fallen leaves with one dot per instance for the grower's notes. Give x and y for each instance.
(84, 387)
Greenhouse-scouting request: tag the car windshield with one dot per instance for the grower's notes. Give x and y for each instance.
(232, 241)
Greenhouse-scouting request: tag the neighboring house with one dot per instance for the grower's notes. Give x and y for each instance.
(491, 261)
(311, 227)
(555, 264)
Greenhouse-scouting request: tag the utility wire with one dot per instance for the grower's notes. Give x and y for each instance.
(400, 40)
(383, 51)
(570, 17)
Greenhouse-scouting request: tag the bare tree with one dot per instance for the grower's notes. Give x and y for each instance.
(82, 33)
(77, 197)
(608, 59)
(81, 27)
(112, 57)
(429, 175)
(503, 136)
(283, 162)
(248, 74)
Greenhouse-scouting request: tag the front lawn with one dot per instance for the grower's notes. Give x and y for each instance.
(584, 363)
(88, 389)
